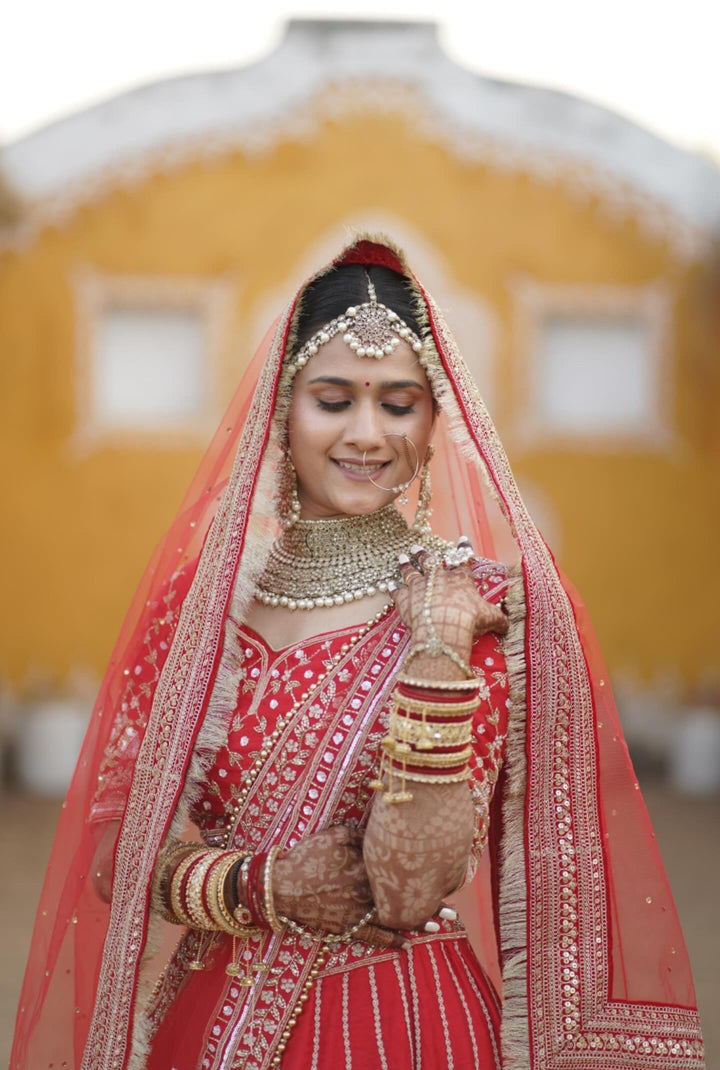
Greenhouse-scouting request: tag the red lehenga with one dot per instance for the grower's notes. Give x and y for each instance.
(369, 1006)
(584, 947)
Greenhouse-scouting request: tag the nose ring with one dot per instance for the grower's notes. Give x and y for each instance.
(400, 488)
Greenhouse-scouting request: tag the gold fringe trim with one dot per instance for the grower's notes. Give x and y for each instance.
(515, 1030)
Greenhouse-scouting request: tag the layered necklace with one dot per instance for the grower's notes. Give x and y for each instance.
(330, 562)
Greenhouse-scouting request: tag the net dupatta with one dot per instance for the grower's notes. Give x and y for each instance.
(594, 969)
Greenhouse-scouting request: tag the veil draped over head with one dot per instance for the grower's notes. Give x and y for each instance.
(589, 952)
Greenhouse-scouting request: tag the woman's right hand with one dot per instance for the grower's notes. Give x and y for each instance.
(321, 882)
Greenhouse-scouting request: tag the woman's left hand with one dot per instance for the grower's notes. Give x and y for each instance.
(458, 611)
(321, 882)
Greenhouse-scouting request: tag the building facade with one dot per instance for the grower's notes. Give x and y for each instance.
(574, 253)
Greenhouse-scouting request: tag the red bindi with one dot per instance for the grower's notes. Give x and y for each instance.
(367, 384)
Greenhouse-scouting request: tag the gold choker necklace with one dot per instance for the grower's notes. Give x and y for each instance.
(330, 562)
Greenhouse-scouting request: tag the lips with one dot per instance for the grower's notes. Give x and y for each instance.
(358, 471)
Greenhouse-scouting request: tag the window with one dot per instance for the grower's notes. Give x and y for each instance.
(148, 359)
(593, 376)
(592, 366)
(149, 368)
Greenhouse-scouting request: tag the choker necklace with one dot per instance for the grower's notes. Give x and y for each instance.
(330, 562)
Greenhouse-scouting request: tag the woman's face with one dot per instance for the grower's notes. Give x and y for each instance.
(344, 407)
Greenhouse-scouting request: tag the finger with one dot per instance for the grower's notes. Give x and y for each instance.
(378, 936)
(407, 569)
(420, 556)
(400, 598)
(500, 622)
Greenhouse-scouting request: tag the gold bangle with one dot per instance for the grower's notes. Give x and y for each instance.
(440, 685)
(176, 885)
(427, 735)
(241, 913)
(268, 902)
(193, 892)
(430, 760)
(160, 888)
(443, 709)
(216, 897)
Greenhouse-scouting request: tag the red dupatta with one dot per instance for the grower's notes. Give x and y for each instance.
(594, 969)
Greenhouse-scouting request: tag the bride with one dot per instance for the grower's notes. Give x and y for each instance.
(324, 716)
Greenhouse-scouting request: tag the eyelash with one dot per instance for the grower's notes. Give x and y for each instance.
(338, 406)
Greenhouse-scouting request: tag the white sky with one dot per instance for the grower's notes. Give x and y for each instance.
(657, 63)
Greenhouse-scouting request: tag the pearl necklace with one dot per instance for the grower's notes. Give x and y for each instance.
(322, 563)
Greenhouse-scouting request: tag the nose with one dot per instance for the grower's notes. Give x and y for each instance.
(364, 430)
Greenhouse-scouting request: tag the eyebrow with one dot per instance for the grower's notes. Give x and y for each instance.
(395, 384)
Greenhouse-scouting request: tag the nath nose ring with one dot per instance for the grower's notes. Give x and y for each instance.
(399, 488)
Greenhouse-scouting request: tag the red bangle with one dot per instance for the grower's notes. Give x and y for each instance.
(254, 889)
(449, 698)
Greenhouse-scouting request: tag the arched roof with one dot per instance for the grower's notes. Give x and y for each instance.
(333, 67)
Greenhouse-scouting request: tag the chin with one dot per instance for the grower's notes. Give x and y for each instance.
(359, 506)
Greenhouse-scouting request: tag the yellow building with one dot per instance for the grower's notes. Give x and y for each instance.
(573, 251)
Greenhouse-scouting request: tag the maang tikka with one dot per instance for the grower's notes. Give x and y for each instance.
(369, 330)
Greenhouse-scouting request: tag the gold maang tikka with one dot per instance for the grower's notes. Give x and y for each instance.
(369, 330)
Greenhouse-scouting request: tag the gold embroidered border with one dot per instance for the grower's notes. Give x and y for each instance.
(556, 986)
(177, 708)
(281, 826)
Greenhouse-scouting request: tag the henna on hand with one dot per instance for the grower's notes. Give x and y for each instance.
(416, 854)
(459, 612)
(321, 882)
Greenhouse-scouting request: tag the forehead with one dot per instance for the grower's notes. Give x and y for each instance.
(336, 358)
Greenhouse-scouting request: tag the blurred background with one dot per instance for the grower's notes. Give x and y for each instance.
(168, 177)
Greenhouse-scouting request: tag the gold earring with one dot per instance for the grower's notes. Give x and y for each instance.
(421, 523)
(287, 502)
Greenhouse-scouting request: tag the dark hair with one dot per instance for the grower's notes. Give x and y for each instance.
(338, 289)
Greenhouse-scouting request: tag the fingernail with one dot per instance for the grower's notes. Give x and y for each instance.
(392, 586)
(406, 946)
(463, 540)
(417, 548)
(432, 927)
(403, 559)
(448, 914)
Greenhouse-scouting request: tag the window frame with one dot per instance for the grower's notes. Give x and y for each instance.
(95, 293)
(535, 304)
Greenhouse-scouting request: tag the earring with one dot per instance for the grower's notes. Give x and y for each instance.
(421, 523)
(287, 502)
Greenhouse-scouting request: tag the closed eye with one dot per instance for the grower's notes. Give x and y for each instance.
(338, 406)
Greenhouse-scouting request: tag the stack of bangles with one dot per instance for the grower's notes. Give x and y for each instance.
(430, 734)
(211, 889)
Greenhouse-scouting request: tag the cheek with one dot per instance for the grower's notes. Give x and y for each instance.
(311, 434)
(420, 430)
